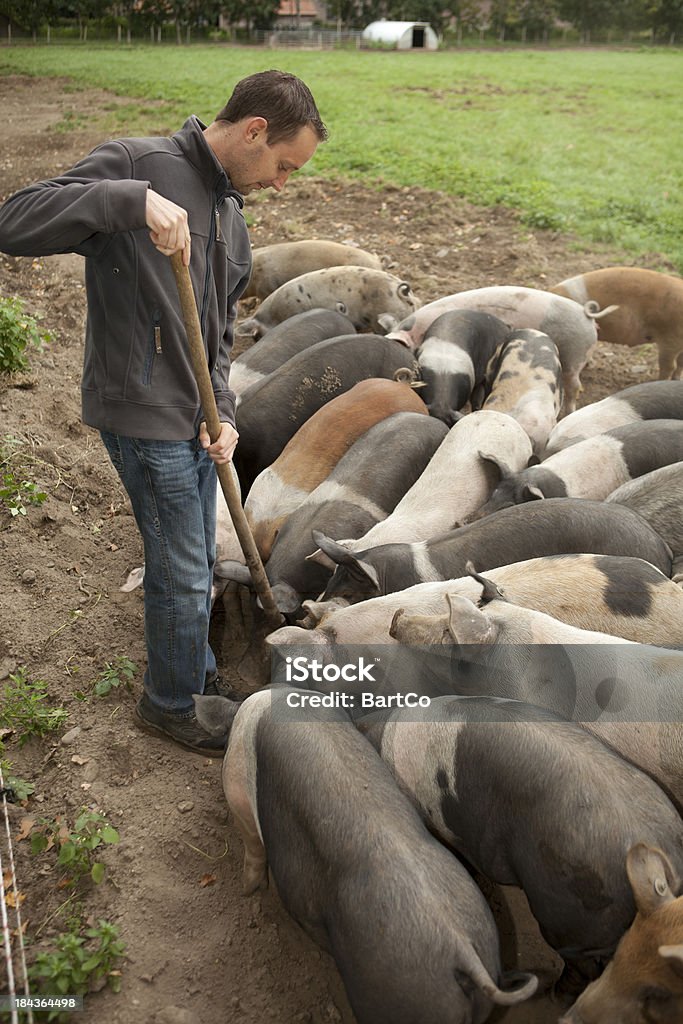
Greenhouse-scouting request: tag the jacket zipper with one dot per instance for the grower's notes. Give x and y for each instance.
(154, 348)
(214, 232)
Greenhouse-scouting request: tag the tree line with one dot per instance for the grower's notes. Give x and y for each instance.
(504, 19)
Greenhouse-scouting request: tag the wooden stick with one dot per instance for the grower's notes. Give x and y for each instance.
(207, 398)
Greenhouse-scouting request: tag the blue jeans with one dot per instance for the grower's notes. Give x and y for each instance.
(172, 487)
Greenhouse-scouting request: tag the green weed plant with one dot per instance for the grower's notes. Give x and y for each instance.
(18, 331)
(24, 708)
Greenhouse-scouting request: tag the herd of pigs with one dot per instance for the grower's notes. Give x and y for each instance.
(416, 498)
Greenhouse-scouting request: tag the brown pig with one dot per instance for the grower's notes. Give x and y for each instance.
(643, 984)
(647, 307)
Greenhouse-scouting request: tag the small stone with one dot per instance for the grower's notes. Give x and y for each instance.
(7, 665)
(639, 368)
(28, 577)
(174, 1015)
(71, 735)
(184, 806)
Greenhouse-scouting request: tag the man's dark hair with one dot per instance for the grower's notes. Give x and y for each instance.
(282, 99)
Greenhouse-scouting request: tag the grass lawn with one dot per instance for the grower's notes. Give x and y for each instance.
(587, 141)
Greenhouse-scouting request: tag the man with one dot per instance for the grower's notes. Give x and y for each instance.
(126, 207)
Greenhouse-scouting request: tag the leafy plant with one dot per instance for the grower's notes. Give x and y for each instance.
(23, 708)
(21, 789)
(78, 963)
(76, 846)
(119, 672)
(15, 491)
(18, 330)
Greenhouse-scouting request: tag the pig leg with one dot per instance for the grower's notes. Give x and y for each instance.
(572, 387)
(678, 372)
(668, 367)
(255, 871)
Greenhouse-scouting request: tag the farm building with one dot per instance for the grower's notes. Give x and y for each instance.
(403, 35)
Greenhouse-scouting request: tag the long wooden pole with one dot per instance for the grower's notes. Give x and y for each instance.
(207, 398)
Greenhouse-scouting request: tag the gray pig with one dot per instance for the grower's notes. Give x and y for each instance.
(411, 934)
(533, 801)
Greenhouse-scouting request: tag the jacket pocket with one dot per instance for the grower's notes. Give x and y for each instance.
(154, 349)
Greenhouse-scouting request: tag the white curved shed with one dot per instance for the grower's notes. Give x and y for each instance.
(403, 35)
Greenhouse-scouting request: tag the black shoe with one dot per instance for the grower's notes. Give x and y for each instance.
(184, 730)
(217, 687)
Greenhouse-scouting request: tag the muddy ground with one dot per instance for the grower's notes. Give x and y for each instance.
(196, 949)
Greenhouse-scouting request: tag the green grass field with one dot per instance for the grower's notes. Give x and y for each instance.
(581, 141)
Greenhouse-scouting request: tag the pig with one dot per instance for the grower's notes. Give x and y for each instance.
(284, 341)
(624, 693)
(453, 358)
(313, 452)
(461, 475)
(654, 400)
(571, 328)
(527, 384)
(644, 981)
(272, 411)
(410, 932)
(360, 490)
(274, 265)
(593, 468)
(531, 800)
(649, 309)
(360, 293)
(619, 595)
(658, 498)
(552, 527)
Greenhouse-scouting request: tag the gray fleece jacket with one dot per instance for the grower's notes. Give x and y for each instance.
(137, 372)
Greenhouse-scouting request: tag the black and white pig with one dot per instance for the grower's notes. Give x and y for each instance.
(284, 341)
(527, 384)
(363, 488)
(411, 934)
(615, 594)
(654, 400)
(627, 694)
(569, 325)
(593, 468)
(533, 801)
(453, 360)
(459, 478)
(272, 411)
(658, 498)
(553, 527)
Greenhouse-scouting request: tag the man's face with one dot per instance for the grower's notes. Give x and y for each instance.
(259, 165)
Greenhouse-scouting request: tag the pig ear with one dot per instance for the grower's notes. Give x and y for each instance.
(387, 322)
(216, 714)
(321, 558)
(466, 624)
(394, 627)
(229, 570)
(134, 580)
(530, 492)
(342, 556)
(502, 467)
(674, 957)
(653, 879)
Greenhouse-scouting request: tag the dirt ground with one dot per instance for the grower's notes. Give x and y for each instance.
(197, 949)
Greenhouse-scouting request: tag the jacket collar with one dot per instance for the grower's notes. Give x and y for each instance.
(192, 142)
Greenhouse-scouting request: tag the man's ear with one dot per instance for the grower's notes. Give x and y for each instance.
(255, 128)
